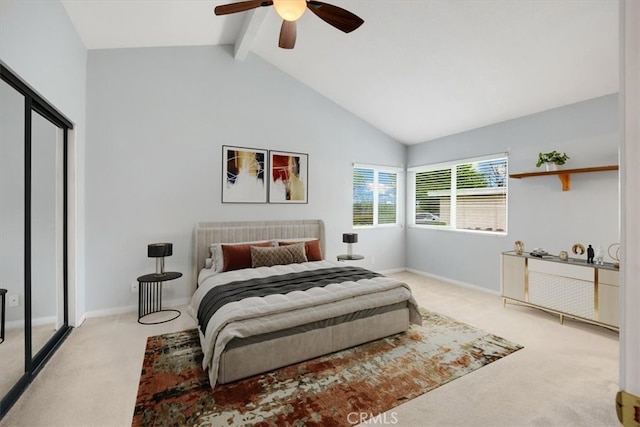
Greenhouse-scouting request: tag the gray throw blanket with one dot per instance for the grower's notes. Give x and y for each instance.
(259, 287)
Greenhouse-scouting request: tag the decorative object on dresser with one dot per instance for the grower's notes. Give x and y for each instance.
(578, 249)
(573, 288)
(150, 285)
(614, 253)
(518, 246)
(590, 254)
(371, 378)
(599, 255)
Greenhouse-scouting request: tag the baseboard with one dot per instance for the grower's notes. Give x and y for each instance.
(80, 320)
(454, 282)
(393, 271)
(130, 309)
(38, 321)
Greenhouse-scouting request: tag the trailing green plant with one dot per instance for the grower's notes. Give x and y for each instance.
(552, 157)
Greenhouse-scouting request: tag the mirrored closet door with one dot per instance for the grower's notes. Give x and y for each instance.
(12, 231)
(33, 230)
(47, 222)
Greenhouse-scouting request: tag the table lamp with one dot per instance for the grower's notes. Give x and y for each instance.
(349, 239)
(159, 251)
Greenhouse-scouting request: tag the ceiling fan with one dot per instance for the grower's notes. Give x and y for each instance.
(291, 10)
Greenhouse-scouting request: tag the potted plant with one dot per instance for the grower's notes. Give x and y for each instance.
(552, 160)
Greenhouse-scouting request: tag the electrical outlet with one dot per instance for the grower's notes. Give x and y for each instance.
(134, 287)
(14, 300)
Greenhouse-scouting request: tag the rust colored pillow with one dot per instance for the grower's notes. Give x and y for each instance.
(236, 257)
(311, 248)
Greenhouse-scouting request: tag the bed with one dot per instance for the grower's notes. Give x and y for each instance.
(289, 304)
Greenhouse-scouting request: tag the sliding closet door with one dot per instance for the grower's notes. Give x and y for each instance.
(33, 227)
(47, 234)
(12, 232)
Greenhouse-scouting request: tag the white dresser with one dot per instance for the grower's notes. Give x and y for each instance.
(587, 292)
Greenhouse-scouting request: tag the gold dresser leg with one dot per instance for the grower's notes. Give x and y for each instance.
(628, 409)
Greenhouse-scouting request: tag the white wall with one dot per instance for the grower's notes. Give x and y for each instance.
(39, 43)
(540, 214)
(158, 118)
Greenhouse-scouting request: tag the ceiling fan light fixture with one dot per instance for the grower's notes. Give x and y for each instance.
(290, 10)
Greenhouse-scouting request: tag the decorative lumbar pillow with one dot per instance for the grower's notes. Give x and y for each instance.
(311, 248)
(236, 257)
(217, 256)
(281, 255)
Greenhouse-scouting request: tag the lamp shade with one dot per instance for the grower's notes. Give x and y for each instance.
(290, 10)
(350, 238)
(155, 250)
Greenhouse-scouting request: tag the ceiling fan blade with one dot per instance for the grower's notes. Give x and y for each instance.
(241, 6)
(333, 15)
(287, 35)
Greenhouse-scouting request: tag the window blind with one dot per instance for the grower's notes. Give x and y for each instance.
(375, 195)
(470, 195)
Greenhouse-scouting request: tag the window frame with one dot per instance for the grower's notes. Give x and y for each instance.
(377, 169)
(453, 164)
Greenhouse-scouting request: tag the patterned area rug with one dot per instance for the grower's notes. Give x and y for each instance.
(340, 389)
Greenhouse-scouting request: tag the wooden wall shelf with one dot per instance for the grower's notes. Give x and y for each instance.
(564, 174)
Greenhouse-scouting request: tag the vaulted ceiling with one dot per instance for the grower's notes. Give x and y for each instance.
(416, 69)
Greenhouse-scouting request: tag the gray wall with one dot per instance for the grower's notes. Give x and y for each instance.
(540, 214)
(158, 118)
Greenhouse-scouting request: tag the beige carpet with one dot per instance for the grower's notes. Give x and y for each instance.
(566, 375)
(12, 353)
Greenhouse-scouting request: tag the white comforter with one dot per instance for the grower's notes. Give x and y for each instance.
(259, 315)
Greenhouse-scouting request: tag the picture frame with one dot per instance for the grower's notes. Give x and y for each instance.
(244, 175)
(288, 177)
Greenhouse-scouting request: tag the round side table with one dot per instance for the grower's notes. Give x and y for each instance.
(150, 295)
(352, 257)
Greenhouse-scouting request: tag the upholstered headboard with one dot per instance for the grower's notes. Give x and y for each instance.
(207, 233)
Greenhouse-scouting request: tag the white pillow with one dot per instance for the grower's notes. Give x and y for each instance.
(217, 259)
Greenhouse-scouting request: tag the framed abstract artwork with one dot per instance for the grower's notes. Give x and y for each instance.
(243, 175)
(288, 177)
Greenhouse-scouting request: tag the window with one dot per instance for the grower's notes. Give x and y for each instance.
(375, 195)
(466, 195)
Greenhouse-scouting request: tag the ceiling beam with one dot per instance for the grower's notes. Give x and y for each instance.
(250, 29)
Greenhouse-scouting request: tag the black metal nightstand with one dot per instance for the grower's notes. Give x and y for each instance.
(352, 257)
(150, 295)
